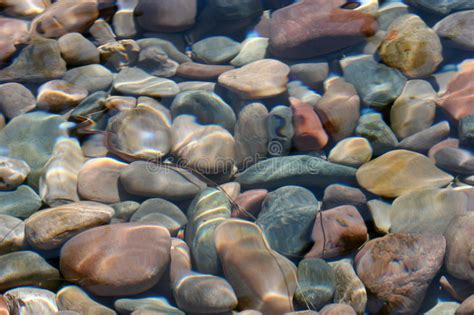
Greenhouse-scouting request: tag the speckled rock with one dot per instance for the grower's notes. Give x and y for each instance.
(31, 301)
(280, 130)
(73, 298)
(457, 28)
(459, 247)
(252, 49)
(12, 234)
(381, 138)
(13, 173)
(349, 288)
(15, 99)
(91, 77)
(166, 16)
(77, 50)
(353, 151)
(20, 203)
(309, 134)
(215, 50)
(134, 81)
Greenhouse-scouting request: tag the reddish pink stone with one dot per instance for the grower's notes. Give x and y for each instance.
(250, 204)
(309, 132)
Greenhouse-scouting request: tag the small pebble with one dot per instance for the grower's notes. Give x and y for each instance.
(381, 138)
(13, 173)
(349, 288)
(353, 151)
(252, 49)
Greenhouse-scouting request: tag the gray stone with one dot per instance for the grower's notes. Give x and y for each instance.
(312, 74)
(20, 203)
(77, 50)
(235, 10)
(158, 304)
(15, 99)
(124, 210)
(457, 28)
(443, 7)
(73, 298)
(423, 140)
(381, 138)
(168, 47)
(388, 12)
(91, 77)
(155, 61)
(280, 130)
(349, 288)
(12, 234)
(466, 130)
(134, 81)
(123, 20)
(252, 49)
(215, 50)
(459, 235)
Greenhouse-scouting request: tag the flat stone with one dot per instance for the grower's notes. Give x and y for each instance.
(196, 85)
(309, 134)
(457, 28)
(252, 49)
(119, 54)
(381, 138)
(302, 170)
(124, 210)
(311, 74)
(50, 228)
(311, 28)
(338, 109)
(73, 298)
(317, 283)
(13, 173)
(455, 159)
(58, 181)
(26, 8)
(118, 259)
(442, 7)
(280, 130)
(91, 77)
(31, 301)
(404, 259)
(336, 195)
(459, 247)
(414, 110)
(160, 181)
(58, 95)
(134, 81)
(215, 50)
(423, 140)
(288, 232)
(162, 212)
(77, 50)
(376, 84)
(256, 80)
(398, 172)
(140, 133)
(249, 204)
(15, 100)
(241, 244)
(155, 61)
(337, 309)
(207, 107)
(344, 230)
(159, 305)
(353, 151)
(198, 71)
(12, 234)
(412, 47)
(349, 288)
(20, 203)
(166, 16)
(39, 61)
(466, 307)
(466, 130)
(27, 268)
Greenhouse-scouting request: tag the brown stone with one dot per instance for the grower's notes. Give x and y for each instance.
(73, 298)
(3, 306)
(199, 71)
(13, 173)
(166, 15)
(24, 8)
(337, 309)
(249, 204)
(390, 266)
(466, 308)
(352, 151)
(458, 289)
(336, 195)
(15, 99)
(349, 288)
(12, 32)
(119, 259)
(460, 248)
(58, 95)
(309, 132)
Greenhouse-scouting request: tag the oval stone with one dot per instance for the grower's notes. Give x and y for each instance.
(15, 100)
(134, 81)
(58, 95)
(353, 151)
(12, 234)
(13, 173)
(31, 301)
(166, 15)
(349, 288)
(215, 50)
(73, 298)
(309, 132)
(93, 78)
(460, 249)
(77, 50)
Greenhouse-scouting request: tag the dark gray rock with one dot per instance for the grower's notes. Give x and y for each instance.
(423, 141)
(466, 130)
(215, 50)
(280, 130)
(20, 203)
(372, 127)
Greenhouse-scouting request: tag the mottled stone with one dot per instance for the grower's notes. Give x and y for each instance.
(159, 305)
(73, 298)
(280, 130)
(311, 74)
(13, 173)
(400, 171)
(207, 107)
(390, 265)
(316, 283)
(256, 80)
(244, 252)
(119, 54)
(443, 7)
(91, 77)
(349, 288)
(336, 195)
(309, 134)
(160, 181)
(310, 28)
(381, 138)
(134, 81)
(337, 309)
(412, 47)
(27, 268)
(389, 12)
(15, 100)
(31, 301)
(338, 109)
(197, 71)
(20, 203)
(467, 307)
(77, 50)
(155, 61)
(303, 170)
(58, 95)
(458, 29)
(124, 210)
(162, 212)
(459, 249)
(215, 50)
(58, 181)
(252, 49)
(423, 140)
(12, 234)
(167, 15)
(353, 151)
(249, 204)
(414, 110)
(118, 259)
(466, 130)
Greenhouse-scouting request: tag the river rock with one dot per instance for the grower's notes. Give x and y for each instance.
(231, 189)
(196, 85)
(309, 134)
(13, 173)
(317, 283)
(102, 32)
(134, 81)
(466, 307)
(58, 181)
(235, 10)
(39, 61)
(27, 268)
(302, 170)
(152, 304)
(140, 133)
(166, 16)
(298, 90)
(77, 50)
(466, 130)
(118, 259)
(454, 159)
(338, 109)
(400, 171)
(336, 195)
(25, 8)
(31, 301)
(353, 151)
(311, 74)
(443, 308)
(124, 20)
(414, 110)
(241, 244)
(280, 130)
(15, 100)
(349, 288)
(389, 12)
(381, 138)
(215, 50)
(207, 107)
(50, 228)
(458, 289)
(58, 95)
(162, 212)
(20, 203)
(93, 78)
(412, 47)
(198, 71)
(73, 298)
(160, 181)
(249, 204)
(119, 54)
(310, 28)
(155, 61)
(459, 247)
(4, 310)
(337, 309)
(12, 234)
(423, 140)
(376, 84)
(168, 47)
(457, 28)
(256, 80)
(252, 49)
(124, 210)
(13, 32)
(442, 7)
(404, 259)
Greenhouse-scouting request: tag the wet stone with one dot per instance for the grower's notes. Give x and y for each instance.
(215, 50)
(311, 74)
(25, 8)
(442, 7)
(458, 289)
(235, 10)
(119, 54)
(443, 308)
(102, 32)
(4, 310)
(353, 151)
(459, 247)
(123, 20)
(349, 288)
(337, 309)
(167, 15)
(457, 28)
(336, 195)
(198, 71)
(155, 61)
(280, 130)
(298, 90)
(249, 204)
(77, 50)
(423, 140)
(389, 12)
(232, 189)
(15, 100)
(152, 304)
(73, 298)
(13, 32)
(133, 81)
(168, 47)
(381, 138)
(466, 307)
(252, 49)
(13, 173)
(58, 95)
(466, 130)
(20, 203)
(91, 77)
(455, 159)
(27, 268)
(196, 85)
(309, 134)
(12, 234)
(124, 210)
(31, 301)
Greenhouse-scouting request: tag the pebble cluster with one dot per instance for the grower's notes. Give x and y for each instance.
(236, 157)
